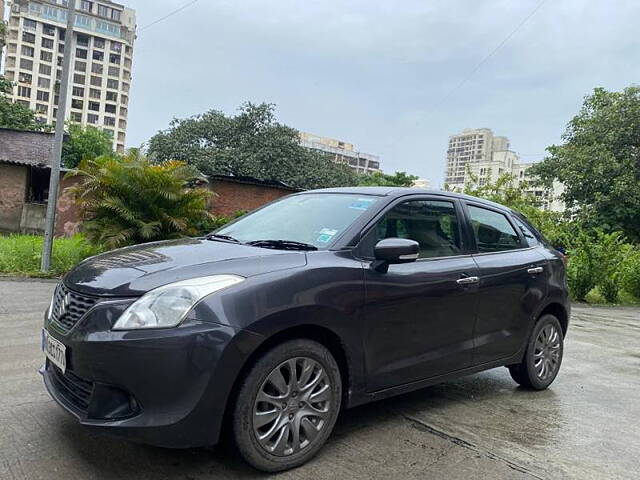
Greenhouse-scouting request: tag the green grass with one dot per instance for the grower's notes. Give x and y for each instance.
(594, 297)
(20, 255)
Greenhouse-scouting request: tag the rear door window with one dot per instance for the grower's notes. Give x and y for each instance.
(492, 230)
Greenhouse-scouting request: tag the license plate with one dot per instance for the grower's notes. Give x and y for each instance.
(54, 350)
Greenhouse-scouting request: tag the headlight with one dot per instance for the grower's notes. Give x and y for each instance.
(168, 305)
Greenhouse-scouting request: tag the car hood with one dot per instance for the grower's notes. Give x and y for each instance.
(133, 271)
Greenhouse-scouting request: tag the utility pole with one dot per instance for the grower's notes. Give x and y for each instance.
(56, 154)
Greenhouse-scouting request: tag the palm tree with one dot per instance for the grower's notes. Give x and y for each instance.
(127, 199)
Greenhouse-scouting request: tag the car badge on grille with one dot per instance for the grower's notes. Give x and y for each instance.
(64, 305)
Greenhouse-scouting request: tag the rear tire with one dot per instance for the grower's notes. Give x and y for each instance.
(287, 405)
(543, 357)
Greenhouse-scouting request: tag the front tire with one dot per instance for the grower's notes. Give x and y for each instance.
(543, 356)
(287, 405)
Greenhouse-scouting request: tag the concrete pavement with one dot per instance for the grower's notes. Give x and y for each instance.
(585, 426)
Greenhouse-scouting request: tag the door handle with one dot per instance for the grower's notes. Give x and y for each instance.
(467, 280)
(535, 270)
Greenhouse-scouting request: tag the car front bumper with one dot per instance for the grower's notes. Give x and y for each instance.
(165, 387)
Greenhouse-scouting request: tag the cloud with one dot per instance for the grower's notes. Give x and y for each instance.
(374, 73)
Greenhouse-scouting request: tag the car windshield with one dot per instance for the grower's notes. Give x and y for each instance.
(313, 219)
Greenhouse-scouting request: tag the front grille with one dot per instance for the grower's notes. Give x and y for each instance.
(74, 389)
(69, 307)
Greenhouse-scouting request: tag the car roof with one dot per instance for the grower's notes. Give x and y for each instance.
(395, 192)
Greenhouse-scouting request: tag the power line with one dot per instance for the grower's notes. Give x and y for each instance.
(170, 14)
(491, 54)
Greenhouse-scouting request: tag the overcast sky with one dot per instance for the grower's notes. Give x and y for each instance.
(380, 74)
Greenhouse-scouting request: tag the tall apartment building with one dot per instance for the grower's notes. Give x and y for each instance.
(478, 157)
(341, 152)
(102, 55)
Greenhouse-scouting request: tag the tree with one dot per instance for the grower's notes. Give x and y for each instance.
(129, 200)
(251, 143)
(399, 179)
(84, 143)
(15, 115)
(599, 161)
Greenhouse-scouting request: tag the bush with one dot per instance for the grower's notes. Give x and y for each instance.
(129, 200)
(631, 272)
(21, 254)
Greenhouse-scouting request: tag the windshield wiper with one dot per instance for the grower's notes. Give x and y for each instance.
(223, 238)
(282, 244)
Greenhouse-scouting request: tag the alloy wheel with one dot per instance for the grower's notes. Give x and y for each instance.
(546, 355)
(292, 406)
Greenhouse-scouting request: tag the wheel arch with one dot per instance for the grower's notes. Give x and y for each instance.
(560, 312)
(321, 334)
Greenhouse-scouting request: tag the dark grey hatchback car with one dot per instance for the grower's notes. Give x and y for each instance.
(319, 301)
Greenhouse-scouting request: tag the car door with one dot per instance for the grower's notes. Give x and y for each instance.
(419, 317)
(512, 283)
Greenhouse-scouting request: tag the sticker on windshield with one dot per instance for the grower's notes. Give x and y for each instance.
(326, 234)
(362, 203)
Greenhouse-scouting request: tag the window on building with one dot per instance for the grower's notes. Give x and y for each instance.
(24, 103)
(44, 69)
(30, 24)
(112, 96)
(24, 91)
(92, 118)
(86, 5)
(114, 71)
(27, 51)
(61, 48)
(98, 43)
(76, 103)
(77, 92)
(26, 64)
(79, 79)
(104, 11)
(42, 108)
(76, 117)
(95, 106)
(83, 40)
(124, 100)
(111, 83)
(96, 81)
(110, 122)
(47, 43)
(122, 124)
(38, 184)
(46, 56)
(108, 131)
(60, 61)
(110, 108)
(28, 37)
(114, 58)
(80, 66)
(93, 93)
(116, 47)
(62, 33)
(81, 53)
(42, 95)
(492, 230)
(99, 56)
(48, 30)
(97, 68)
(25, 78)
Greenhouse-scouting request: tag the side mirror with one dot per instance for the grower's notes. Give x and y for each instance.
(391, 251)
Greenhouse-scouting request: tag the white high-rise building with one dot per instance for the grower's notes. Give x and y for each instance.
(102, 56)
(477, 157)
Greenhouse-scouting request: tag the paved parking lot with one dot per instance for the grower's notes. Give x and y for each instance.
(586, 426)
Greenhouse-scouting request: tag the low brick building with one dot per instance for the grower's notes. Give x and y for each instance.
(24, 180)
(244, 193)
(24, 187)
